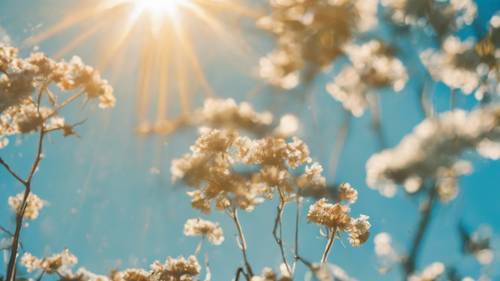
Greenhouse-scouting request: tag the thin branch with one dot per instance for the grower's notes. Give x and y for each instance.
(409, 264)
(11, 266)
(331, 237)
(9, 169)
(297, 222)
(239, 271)
(278, 230)
(243, 244)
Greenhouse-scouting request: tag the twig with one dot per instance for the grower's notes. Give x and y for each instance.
(409, 264)
(297, 221)
(243, 244)
(11, 267)
(278, 230)
(239, 271)
(9, 169)
(331, 237)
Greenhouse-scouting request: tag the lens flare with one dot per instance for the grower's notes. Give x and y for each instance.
(160, 35)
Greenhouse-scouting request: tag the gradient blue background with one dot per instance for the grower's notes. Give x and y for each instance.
(109, 209)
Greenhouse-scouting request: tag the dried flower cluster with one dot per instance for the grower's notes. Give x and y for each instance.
(23, 81)
(57, 263)
(336, 217)
(433, 149)
(311, 32)
(269, 275)
(215, 168)
(385, 252)
(328, 272)
(443, 16)
(33, 205)
(466, 66)
(228, 114)
(198, 227)
(179, 269)
(373, 67)
(431, 273)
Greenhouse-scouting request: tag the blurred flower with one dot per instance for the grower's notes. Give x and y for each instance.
(432, 151)
(199, 227)
(328, 272)
(373, 67)
(431, 273)
(33, 205)
(387, 256)
(444, 17)
(269, 275)
(51, 264)
(310, 33)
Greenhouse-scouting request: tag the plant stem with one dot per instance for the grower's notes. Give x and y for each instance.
(328, 247)
(243, 243)
(409, 264)
(11, 266)
(278, 230)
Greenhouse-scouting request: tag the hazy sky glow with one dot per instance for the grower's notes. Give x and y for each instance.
(110, 197)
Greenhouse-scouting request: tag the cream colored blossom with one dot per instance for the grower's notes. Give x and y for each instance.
(387, 257)
(359, 230)
(269, 275)
(348, 193)
(199, 227)
(179, 269)
(443, 16)
(50, 264)
(373, 66)
(431, 273)
(335, 216)
(22, 79)
(310, 35)
(33, 205)
(328, 272)
(433, 150)
(212, 169)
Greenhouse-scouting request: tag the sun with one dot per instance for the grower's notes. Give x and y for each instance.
(160, 7)
(160, 35)
(158, 10)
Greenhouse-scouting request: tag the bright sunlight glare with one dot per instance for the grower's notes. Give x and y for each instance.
(158, 7)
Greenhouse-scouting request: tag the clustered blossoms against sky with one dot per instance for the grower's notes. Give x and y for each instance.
(328, 140)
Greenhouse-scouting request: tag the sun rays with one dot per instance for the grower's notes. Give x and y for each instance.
(158, 33)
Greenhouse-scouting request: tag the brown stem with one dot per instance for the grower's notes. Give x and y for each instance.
(331, 237)
(11, 266)
(243, 243)
(239, 271)
(409, 264)
(278, 230)
(297, 222)
(9, 169)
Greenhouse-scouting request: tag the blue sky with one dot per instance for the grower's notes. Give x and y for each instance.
(108, 208)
